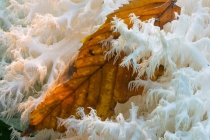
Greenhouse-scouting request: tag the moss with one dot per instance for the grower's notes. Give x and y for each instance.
(4, 131)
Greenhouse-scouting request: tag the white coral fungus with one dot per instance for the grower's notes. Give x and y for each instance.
(176, 105)
(37, 43)
(37, 40)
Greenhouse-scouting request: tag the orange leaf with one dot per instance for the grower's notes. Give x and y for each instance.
(94, 81)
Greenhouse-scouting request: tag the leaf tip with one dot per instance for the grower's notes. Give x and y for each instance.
(28, 131)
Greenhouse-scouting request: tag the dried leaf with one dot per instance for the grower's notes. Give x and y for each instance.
(94, 81)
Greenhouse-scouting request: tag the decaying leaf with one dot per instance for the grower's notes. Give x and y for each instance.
(93, 81)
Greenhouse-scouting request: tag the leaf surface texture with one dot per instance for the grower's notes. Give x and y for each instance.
(93, 81)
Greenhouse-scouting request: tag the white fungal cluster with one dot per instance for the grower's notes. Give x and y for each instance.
(38, 38)
(175, 107)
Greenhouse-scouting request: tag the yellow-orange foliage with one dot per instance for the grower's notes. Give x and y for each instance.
(97, 82)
